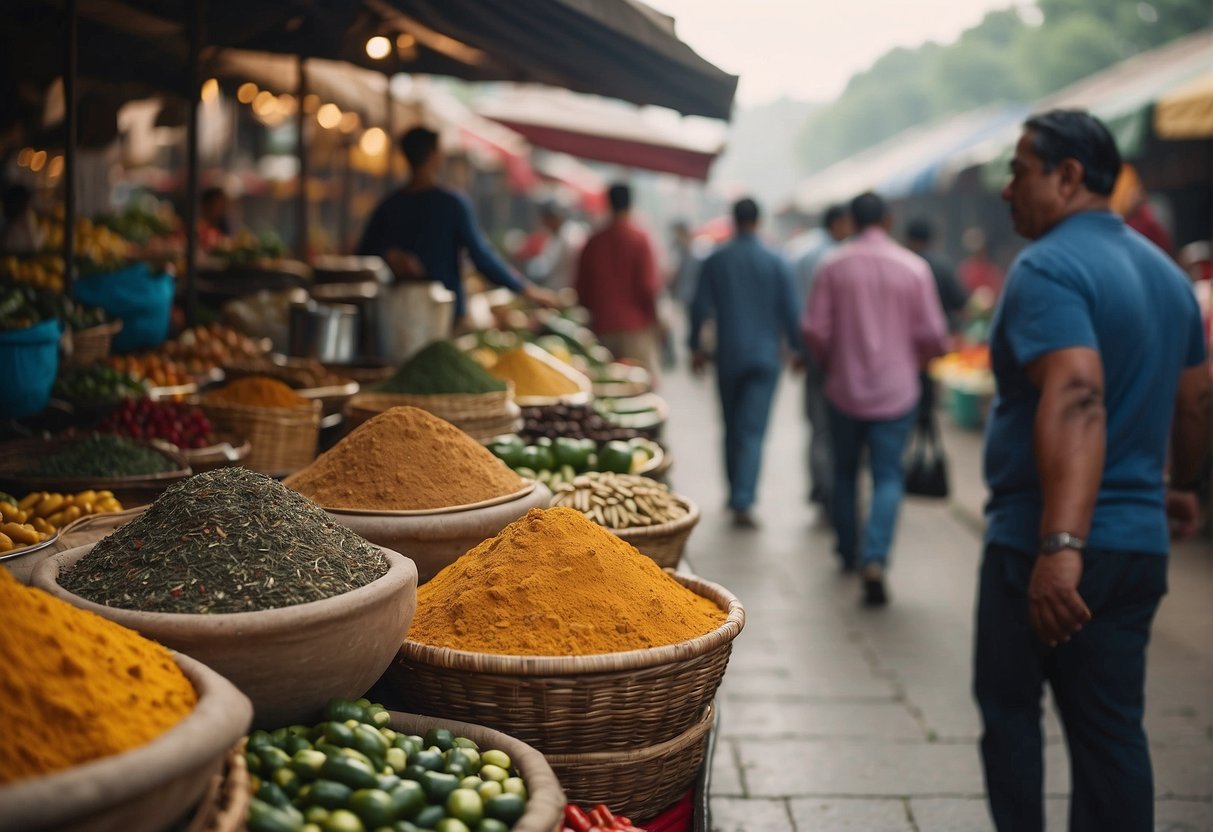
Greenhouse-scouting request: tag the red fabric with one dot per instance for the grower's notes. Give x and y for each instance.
(618, 279)
(977, 271)
(1142, 220)
(677, 818)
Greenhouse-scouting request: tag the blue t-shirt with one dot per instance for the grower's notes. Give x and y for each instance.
(435, 225)
(1091, 282)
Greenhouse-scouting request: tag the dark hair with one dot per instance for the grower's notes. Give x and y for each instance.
(1077, 135)
(418, 145)
(832, 215)
(867, 209)
(919, 229)
(745, 212)
(619, 197)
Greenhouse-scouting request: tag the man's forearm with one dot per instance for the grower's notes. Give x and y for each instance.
(1190, 430)
(1070, 437)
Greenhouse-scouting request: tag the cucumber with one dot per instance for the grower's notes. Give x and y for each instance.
(263, 817)
(354, 773)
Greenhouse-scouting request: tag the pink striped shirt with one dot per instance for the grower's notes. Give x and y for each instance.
(872, 321)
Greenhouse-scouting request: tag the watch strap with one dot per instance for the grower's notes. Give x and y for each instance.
(1055, 542)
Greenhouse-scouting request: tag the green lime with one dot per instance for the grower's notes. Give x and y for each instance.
(373, 807)
(466, 805)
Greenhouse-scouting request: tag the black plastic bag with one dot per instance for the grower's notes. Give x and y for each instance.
(926, 466)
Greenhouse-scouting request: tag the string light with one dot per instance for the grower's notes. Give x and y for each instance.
(287, 104)
(55, 169)
(405, 41)
(349, 122)
(378, 47)
(246, 92)
(37, 161)
(329, 116)
(373, 142)
(24, 157)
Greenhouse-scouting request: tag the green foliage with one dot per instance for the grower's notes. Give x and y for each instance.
(1001, 59)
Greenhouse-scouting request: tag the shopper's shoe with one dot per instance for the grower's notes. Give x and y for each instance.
(744, 520)
(874, 594)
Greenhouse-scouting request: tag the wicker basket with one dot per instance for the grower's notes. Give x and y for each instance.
(545, 802)
(92, 344)
(638, 782)
(564, 705)
(227, 450)
(283, 439)
(452, 407)
(224, 807)
(663, 542)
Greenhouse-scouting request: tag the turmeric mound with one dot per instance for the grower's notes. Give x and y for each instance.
(553, 583)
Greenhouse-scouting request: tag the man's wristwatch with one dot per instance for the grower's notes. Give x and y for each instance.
(1051, 544)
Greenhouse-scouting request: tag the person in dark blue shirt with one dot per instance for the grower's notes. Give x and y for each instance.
(1097, 351)
(422, 229)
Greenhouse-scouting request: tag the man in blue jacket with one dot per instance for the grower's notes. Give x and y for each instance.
(746, 289)
(422, 229)
(1097, 351)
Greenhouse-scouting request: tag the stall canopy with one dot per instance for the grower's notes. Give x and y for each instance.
(616, 48)
(905, 164)
(1120, 95)
(1186, 112)
(608, 131)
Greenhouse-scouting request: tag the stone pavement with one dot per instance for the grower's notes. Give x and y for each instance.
(838, 718)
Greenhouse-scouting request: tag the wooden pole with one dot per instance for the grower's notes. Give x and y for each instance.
(71, 70)
(301, 203)
(193, 95)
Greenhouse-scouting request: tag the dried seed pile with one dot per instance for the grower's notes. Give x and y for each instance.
(620, 501)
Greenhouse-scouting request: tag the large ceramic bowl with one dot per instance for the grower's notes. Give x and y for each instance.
(145, 789)
(289, 661)
(435, 539)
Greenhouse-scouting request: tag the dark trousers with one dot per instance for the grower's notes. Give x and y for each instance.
(1098, 681)
(745, 399)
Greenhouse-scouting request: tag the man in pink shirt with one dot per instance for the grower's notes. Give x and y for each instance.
(872, 321)
(618, 282)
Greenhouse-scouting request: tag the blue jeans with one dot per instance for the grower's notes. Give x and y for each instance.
(745, 399)
(885, 440)
(1098, 680)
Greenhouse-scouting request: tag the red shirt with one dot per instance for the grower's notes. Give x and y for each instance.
(618, 280)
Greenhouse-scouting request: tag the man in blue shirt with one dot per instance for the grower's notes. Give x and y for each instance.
(422, 229)
(1095, 346)
(747, 290)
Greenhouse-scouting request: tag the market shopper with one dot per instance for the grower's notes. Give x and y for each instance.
(746, 289)
(836, 226)
(873, 320)
(1089, 348)
(422, 229)
(952, 297)
(618, 282)
(555, 267)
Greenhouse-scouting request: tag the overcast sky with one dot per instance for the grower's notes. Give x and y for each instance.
(807, 49)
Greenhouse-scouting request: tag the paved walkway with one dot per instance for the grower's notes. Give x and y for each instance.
(839, 718)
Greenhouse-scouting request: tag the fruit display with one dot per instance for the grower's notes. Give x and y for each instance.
(247, 247)
(46, 512)
(202, 349)
(619, 501)
(152, 368)
(183, 425)
(98, 384)
(353, 773)
(97, 248)
(45, 271)
(560, 460)
(142, 222)
(580, 421)
(25, 304)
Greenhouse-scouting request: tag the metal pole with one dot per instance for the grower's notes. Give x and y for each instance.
(70, 71)
(193, 95)
(388, 124)
(301, 206)
(343, 215)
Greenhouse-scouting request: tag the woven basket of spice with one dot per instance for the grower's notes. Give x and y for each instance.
(541, 379)
(136, 472)
(281, 427)
(561, 664)
(238, 571)
(664, 542)
(636, 782)
(92, 344)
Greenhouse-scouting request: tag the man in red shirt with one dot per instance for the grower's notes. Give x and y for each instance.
(618, 282)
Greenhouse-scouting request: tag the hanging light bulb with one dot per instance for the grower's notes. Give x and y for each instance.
(24, 157)
(329, 116)
(246, 92)
(349, 122)
(378, 47)
(210, 90)
(373, 141)
(55, 169)
(37, 161)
